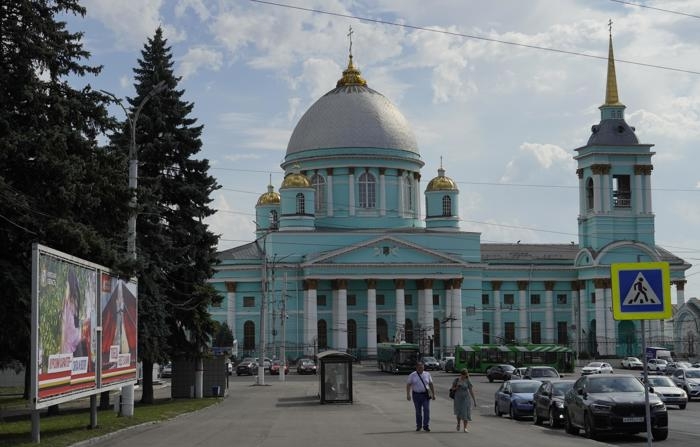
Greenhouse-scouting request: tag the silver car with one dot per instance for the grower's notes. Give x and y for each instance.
(689, 380)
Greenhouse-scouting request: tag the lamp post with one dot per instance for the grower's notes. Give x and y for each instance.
(134, 162)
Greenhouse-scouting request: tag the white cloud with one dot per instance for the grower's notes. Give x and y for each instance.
(198, 58)
(198, 6)
(131, 22)
(532, 158)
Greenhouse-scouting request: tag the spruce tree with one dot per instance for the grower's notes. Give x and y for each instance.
(176, 250)
(57, 186)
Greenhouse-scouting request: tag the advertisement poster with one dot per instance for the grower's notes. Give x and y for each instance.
(67, 316)
(119, 309)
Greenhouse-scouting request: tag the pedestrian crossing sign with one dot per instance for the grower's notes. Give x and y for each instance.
(641, 291)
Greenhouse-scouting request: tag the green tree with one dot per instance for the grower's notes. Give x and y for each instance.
(57, 186)
(223, 337)
(176, 250)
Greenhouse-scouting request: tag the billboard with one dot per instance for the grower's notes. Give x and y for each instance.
(72, 300)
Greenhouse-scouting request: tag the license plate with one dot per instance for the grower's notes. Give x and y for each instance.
(635, 419)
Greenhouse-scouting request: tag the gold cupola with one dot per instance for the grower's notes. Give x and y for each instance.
(351, 75)
(441, 183)
(295, 179)
(271, 197)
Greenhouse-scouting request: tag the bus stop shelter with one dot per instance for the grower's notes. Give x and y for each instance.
(335, 377)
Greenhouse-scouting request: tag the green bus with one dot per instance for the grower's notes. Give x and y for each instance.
(397, 358)
(479, 358)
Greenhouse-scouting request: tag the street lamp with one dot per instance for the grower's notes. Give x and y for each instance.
(134, 162)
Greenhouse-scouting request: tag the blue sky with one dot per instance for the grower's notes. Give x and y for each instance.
(505, 119)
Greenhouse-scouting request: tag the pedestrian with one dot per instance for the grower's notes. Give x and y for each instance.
(419, 386)
(464, 399)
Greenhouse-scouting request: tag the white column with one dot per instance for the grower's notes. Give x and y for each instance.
(583, 317)
(351, 193)
(638, 202)
(549, 312)
(523, 329)
(458, 335)
(581, 193)
(497, 323)
(310, 316)
(341, 324)
(600, 316)
(606, 193)
(574, 317)
(329, 193)
(399, 285)
(334, 316)
(372, 318)
(610, 329)
(448, 332)
(417, 198)
(382, 192)
(596, 193)
(647, 196)
(400, 179)
(231, 307)
(428, 313)
(680, 292)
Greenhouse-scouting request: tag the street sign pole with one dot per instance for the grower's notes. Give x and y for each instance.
(645, 373)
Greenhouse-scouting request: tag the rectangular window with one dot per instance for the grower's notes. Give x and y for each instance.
(408, 300)
(562, 333)
(592, 297)
(509, 299)
(509, 333)
(436, 300)
(380, 300)
(486, 331)
(536, 332)
(484, 298)
(535, 298)
(248, 301)
(321, 300)
(561, 298)
(352, 300)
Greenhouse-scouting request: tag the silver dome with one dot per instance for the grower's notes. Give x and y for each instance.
(352, 116)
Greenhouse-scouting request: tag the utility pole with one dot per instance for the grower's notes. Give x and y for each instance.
(283, 318)
(263, 311)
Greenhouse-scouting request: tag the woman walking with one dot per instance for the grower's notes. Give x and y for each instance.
(464, 399)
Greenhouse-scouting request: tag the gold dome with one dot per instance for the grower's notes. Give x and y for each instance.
(270, 197)
(295, 180)
(351, 76)
(442, 183)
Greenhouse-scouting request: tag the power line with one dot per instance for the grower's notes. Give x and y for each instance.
(657, 9)
(472, 36)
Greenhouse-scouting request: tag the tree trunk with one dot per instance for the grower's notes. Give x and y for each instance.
(147, 382)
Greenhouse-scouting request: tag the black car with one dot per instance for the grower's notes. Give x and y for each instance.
(613, 404)
(430, 363)
(541, 373)
(500, 372)
(247, 367)
(549, 402)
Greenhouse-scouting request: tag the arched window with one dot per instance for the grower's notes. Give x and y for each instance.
(408, 331)
(382, 331)
(368, 190)
(319, 184)
(589, 194)
(322, 328)
(352, 334)
(249, 336)
(274, 220)
(446, 206)
(301, 204)
(408, 193)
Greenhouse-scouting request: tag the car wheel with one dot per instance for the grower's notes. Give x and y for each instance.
(589, 427)
(536, 417)
(552, 422)
(512, 414)
(681, 406)
(497, 410)
(570, 428)
(687, 391)
(660, 434)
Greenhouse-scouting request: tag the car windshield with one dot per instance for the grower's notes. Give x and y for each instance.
(543, 372)
(307, 362)
(526, 387)
(594, 365)
(560, 388)
(633, 359)
(614, 385)
(693, 373)
(429, 360)
(661, 361)
(660, 381)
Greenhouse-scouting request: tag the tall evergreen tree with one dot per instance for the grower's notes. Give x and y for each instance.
(176, 250)
(57, 186)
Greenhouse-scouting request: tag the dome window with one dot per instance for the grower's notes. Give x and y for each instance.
(301, 204)
(446, 206)
(368, 190)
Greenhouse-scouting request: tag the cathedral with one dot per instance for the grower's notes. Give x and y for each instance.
(351, 251)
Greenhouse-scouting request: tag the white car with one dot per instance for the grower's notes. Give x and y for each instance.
(597, 368)
(632, 363)
(658, 365)
(668, 392)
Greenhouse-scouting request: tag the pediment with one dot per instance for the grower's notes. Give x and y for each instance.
(383, 250)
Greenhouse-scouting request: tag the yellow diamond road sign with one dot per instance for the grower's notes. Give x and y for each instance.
(641, 291)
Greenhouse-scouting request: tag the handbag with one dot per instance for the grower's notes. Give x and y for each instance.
(452, 393)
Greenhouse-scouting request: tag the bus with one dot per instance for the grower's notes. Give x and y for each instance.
(397, 357)
(479, 358)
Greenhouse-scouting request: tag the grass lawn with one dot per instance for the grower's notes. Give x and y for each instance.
(71, 425)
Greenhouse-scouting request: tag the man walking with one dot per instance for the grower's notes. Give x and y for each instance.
(419, 386)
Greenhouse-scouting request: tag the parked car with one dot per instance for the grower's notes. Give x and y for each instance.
(658, 365)
(597, 368)
(695, 365)
(306, 366)
(519, 373)
(689, 380)
(601, 403)
(167, 370)
(541, 372)
(247, 367)
(549, 402)
(500, 372)
(267, 362)
(632, 363)
(430, 363)
(672, 366)
(514, 397)
(668, 392)
(276, 367)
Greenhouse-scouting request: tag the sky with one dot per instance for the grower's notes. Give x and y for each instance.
(501, 92)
